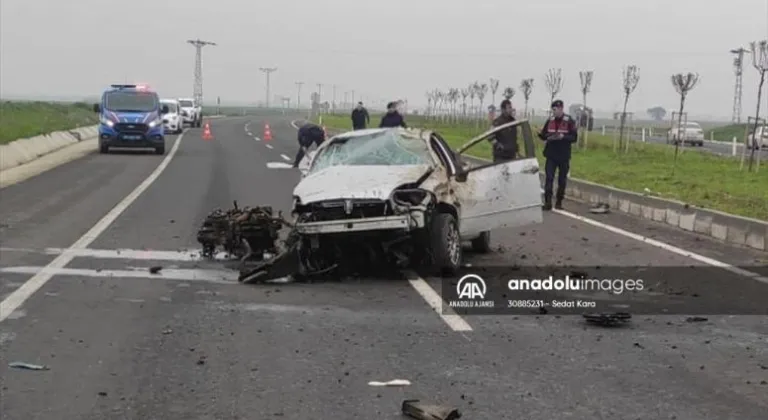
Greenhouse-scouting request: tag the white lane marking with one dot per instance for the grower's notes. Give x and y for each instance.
(293, 124)
(667, 247)
(20, 295)
(257, 139)
(279, 165)
(210, 276)
(269, 146)
(249, 133)
(285, 157)
(126, 254)
(435, 301)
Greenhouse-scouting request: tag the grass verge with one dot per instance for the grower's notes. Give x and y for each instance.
(700, 179)
(20, 120)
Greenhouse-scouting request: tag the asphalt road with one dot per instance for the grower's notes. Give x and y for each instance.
(190, 343)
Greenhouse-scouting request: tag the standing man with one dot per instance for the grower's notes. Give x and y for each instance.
(559, 133)
(308, 133)
(504, 142)
(360, 117)
(392, 118)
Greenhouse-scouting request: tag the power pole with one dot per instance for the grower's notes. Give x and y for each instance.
(197, 88)
(333, 101)
(738, 67)
(267, 71)
(298, 94)
(319, 97)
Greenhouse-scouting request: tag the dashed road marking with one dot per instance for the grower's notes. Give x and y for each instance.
(285, 157)
(269, 146)
(435, 301)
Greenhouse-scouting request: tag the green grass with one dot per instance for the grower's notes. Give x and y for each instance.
(701, 179)
(728, 132)
(28, 119)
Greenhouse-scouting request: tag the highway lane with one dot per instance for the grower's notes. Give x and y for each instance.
(716, 147)
(122, 343)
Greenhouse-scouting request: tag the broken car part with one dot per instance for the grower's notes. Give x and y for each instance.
(415, 409)
(243, 233)
(28, 366)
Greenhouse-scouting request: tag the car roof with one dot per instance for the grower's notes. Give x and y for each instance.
(408, 132)
(169, 100)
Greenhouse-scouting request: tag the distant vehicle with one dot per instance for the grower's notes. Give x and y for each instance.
(172, 120)
(762, 138)
(191, 112)
(689, 132)
(131, 116)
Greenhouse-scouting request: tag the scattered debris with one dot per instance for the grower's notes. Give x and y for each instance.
(601, 208)
(394, 382)
(167, 331)
(608, 319)
(28, 366)
(244, 233)
(696, 319)
(155, 269)
(102, 394)
(415, 409)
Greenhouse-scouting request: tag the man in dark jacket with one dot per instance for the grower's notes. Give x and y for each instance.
(392, 118)
(504, 142)
(308, 133)
(360, 117)
(559, 133)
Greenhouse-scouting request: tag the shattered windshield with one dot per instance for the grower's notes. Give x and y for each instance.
(381, 148)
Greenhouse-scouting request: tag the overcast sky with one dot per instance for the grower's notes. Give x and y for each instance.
(383, 49)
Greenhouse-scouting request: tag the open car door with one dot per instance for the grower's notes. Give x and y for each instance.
(306, 163)
(502, 194)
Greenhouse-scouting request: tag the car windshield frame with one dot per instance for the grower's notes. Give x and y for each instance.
(381, 148)
(118, 101)
(172, 107)
(186, 104)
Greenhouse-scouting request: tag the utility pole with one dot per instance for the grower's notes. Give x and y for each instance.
(334, 100)
(298, 94)
(197, 88)
(319, 96)
(267, 71)
(738, 67)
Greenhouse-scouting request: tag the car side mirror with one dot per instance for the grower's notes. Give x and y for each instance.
(164, 109)
(96, 108)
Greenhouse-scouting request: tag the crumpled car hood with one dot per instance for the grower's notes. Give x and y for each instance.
(368, 182)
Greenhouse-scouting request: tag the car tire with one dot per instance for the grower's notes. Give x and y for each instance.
(482, 244)
(103, 149)
(444, 245)
(160, 150)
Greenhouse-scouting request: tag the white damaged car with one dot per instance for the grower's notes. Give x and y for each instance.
(404, 196)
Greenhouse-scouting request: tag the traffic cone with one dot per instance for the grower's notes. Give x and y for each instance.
(267, 133)
(207, 132)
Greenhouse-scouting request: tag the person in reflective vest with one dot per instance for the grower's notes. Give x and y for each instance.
(559, 133)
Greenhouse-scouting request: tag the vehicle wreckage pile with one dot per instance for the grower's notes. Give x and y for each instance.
(254, 236)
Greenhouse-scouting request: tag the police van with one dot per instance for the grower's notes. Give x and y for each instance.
(131, 116)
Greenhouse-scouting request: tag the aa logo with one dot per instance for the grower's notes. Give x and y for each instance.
(471, 286)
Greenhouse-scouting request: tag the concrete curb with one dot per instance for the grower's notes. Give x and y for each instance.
(729, 228)
(23, 151)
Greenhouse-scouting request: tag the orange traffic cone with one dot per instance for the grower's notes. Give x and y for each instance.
(207, 132)
(267, 133)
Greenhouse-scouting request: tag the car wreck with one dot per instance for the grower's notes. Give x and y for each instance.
(383, 198)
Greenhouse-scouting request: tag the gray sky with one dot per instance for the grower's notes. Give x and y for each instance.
(384, 49)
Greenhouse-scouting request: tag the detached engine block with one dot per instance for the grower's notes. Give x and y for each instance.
(243, 233)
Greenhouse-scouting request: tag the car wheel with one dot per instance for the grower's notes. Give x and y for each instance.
(701, 144)
(160, 150)
(444, 245)
(482, 244)
(104, 149)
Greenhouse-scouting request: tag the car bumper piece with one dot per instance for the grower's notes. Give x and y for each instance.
(404, 222)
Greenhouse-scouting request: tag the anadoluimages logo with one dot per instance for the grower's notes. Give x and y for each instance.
(470, 291)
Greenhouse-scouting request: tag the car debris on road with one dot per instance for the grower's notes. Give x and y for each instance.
(28, 366)
(415, 409)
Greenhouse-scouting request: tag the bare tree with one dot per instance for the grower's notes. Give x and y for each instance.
(553, 80)
(494, 88)
(526, 86)
(760, 62)
(472, 93)
(683, 84)
(482, 90)
(586, 85)
(430, 103)
(508, 93)
(631, 78)
(464, 94)
(453, 97)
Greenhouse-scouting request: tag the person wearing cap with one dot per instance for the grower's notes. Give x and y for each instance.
(392, 118)
(504, 142)
(559, 133)
(360, 117)
(308, 133)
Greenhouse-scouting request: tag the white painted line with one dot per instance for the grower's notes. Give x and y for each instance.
(20, 295)
(210, 276)
(269, 146)
(285, 157)
(667, 247)
(435, 301)
(126, 254)
(257, 139)
(293, 124)
(279, 165)
(249, 133)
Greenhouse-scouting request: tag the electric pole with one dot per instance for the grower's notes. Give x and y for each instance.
(319, 97)
(738, 67)
(197, 88)
(333, 106)
(267, 71)
(298, 94)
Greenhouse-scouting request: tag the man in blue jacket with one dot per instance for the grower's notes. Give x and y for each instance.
(308, 133)
(559, 133)
(392, 118)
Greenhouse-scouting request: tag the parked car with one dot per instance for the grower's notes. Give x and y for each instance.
(762, 138)
(689, 132)
(405, 194)
(173, 122)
